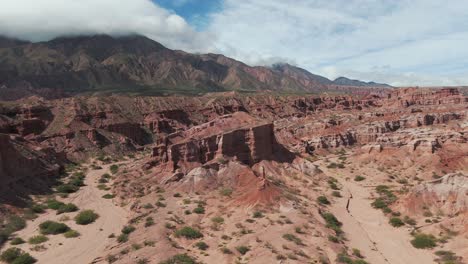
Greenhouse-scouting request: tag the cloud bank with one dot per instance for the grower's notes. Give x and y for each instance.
(38, 20)
(401, 42)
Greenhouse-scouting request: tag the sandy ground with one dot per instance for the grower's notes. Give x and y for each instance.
(368, 230)
(94, 237)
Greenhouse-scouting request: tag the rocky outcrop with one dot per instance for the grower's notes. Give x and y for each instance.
(24, 166)
(247, 145)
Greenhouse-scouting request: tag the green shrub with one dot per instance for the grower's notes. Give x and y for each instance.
(332, 222)
(114, 168)
(179, 259)
(17, 241)
(199, 210)
(359, 178)
(177, 195)
(226, 192)
(67, 188)
(409, 220)
(424, 241)
(189, 233)
(71, 234)
(86, 217)
(54, 204)
(53, 228)
(108, 196)
(323, 200)
(10, 254)
(122, 238)
(149, 222)
(226, 250)
(24, 258)
(257, 214)
(293, 238)
(243, 249)
(128, 229)
(39, 239)
(396, 222)
(38, 208)
(333, 239)
(201, 245)
(379, 203)
(336, 194)
(67, 208)
(15, 223)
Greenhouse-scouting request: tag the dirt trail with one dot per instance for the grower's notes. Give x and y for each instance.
(94, 237)
(368, 230)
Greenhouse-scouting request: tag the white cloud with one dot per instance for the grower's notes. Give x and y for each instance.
(402, 42)
(45, 19)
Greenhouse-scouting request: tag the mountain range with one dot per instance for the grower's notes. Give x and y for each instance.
(138, 64)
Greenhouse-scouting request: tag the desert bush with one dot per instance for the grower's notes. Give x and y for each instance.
(10, 254)
(201, 245)
(217, 220)
(179, 259)
(67, 208)
(323, 200)
(243, 249)
(293, 238)
(424, 241)
(149, 222)
(108, 196)
(143, 261)
(359, 178)
(226, 250)
(17, 241)
(409, 220)
(128, 229)
(189, 233)
(16, 256)
(333, 239)
(114, 168)
(53, 228)
(199, 210)
(333, 223)
(38, 208)
(39, 239)
(396, 222)
(226, 192)
(54, 204)
(257, 214)
(122, 238)
(86, 217)
(67, 188)
(336, 194)
(71, 234)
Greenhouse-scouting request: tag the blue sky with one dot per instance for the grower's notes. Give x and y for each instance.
(400, 42)
(195, 12)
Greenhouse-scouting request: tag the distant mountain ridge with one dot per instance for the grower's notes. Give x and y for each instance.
(136, 63)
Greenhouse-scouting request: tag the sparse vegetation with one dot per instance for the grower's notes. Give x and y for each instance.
(16, 256)
(108, 196)
(243, 249)
(424, 241)
(122, 238)
(71, 234)
(201, 245)
(128, 229)
(293, 238)
(333, 223)
(179, 259)
(189, 233)
(226, 192)
(67, 208)
(86, 217)
(39, 239)
(396, 222)
(323, 200)
(199, 210)
(53, 228)
(114, 168)
(359, 178)
(257, 214)
(17, 241)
